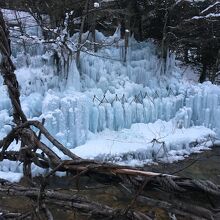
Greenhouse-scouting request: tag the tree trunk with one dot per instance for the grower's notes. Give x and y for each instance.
(203, 73)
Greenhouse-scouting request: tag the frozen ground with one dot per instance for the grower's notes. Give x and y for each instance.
(132, 112)
(146, 143)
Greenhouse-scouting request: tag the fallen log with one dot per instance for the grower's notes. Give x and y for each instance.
(178, 208)
(76, 202)
(82, 204)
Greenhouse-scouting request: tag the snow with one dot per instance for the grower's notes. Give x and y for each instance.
(11, 176)
(144, 142)
(210, 15)
(211, 6)
(96, 5)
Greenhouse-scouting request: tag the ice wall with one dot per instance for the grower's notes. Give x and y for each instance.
(127, 91)
(70, 118)
(67, 117)
(110, 91)
(205, 107)
(107, 68)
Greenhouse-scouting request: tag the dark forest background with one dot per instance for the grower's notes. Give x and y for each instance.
(191, 29)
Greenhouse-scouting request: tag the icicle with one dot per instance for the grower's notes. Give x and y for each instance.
(118, 116)
(140, 113)
(157, 108)
(207, 117)
(168, 114)
(133, 107)
(109, 112)
(94, 117)
(187, 118)
(127, 115)
(71, 133)
(147, 112)
(79, 132)
(102, 119)
(73, 80)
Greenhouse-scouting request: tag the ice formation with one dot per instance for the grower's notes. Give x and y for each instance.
(110, 94)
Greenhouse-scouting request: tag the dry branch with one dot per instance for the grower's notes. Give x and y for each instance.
(76, 202)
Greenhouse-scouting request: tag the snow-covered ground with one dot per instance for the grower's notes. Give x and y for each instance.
(125, 112)
(146, 143)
